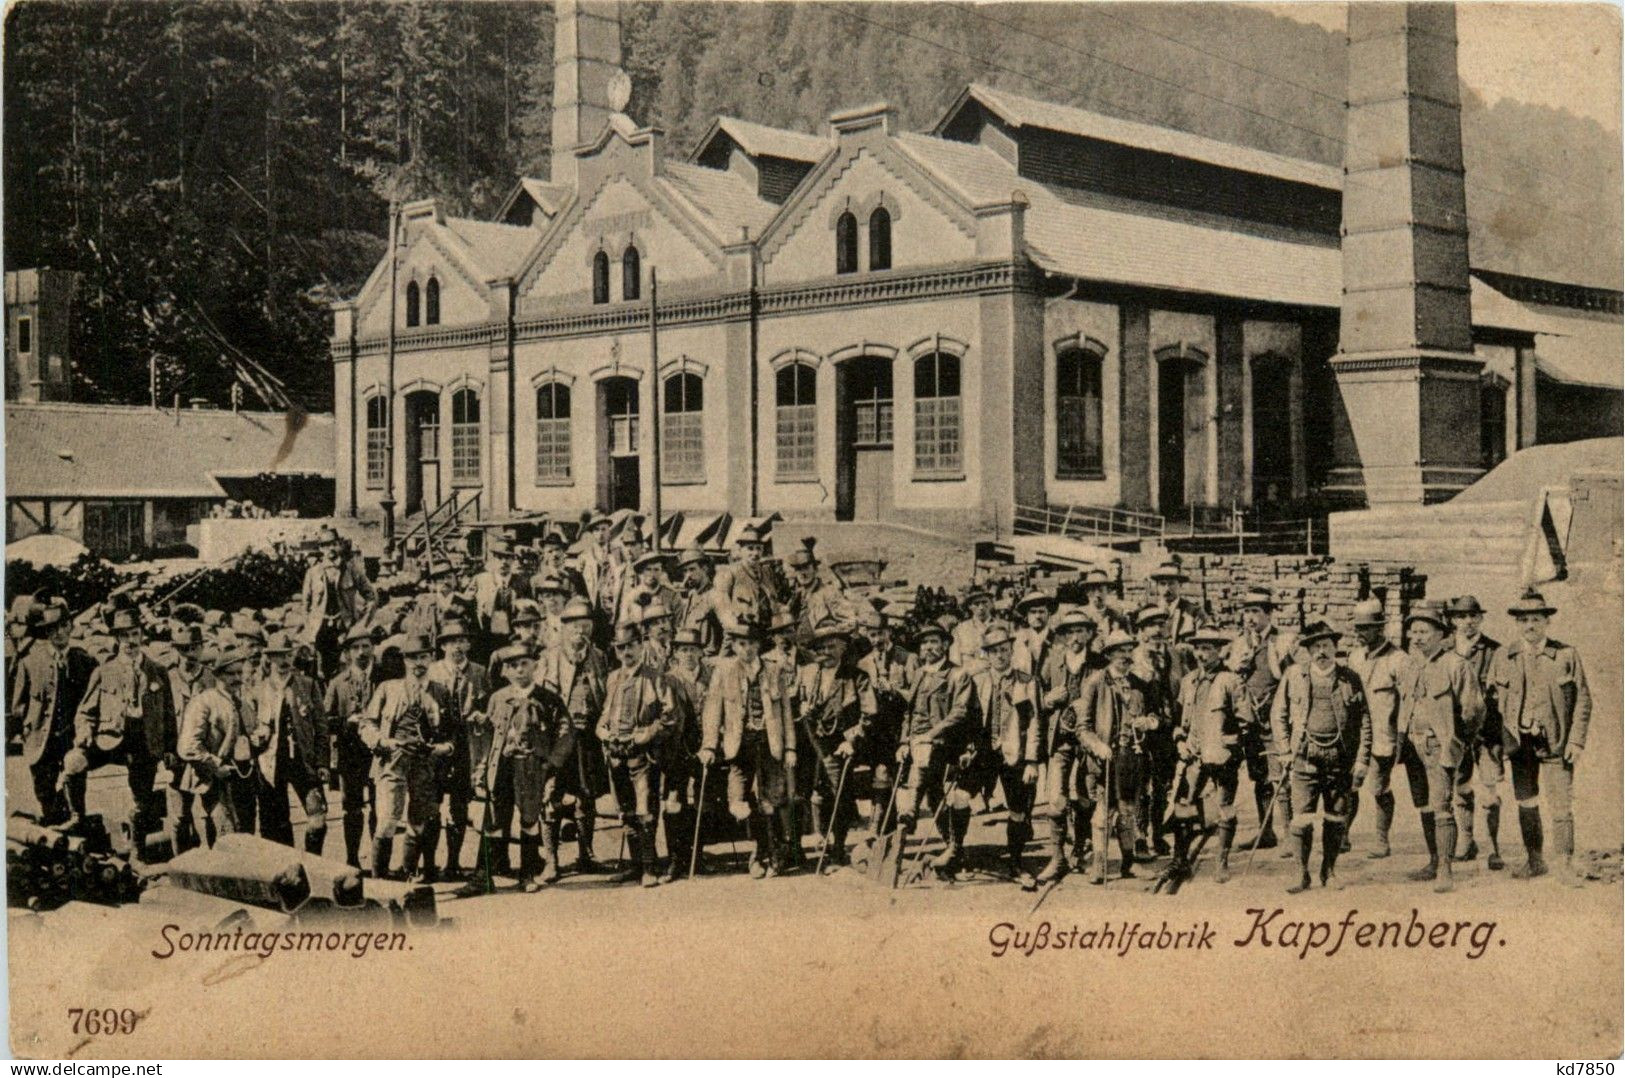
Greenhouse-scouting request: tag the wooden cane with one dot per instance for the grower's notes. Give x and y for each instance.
(1280, 787)
(840, 788)
(699, 818)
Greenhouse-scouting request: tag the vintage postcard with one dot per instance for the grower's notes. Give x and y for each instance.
(833, 530)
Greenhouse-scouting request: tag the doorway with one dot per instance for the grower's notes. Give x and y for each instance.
(618, 473)
(422, 451)
(863, 439)
(1272, 429)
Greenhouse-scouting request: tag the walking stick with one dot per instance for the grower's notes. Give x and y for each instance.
(1286, 776)
(699, 818)
(936, 818)
(840, 787)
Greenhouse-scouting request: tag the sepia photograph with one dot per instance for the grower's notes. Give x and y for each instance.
(681, 529)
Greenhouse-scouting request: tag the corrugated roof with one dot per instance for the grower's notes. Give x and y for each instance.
(724, 199)
(115, 451)
(1584, 349)
(498, 247)
(1103, 238)
(1020, 111)
(759, 140)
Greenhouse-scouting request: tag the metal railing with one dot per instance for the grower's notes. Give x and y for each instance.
(1214, 528)
(437, 523)
(1086, 522)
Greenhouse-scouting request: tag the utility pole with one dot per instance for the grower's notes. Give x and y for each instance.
(388, 500)
(654, 386)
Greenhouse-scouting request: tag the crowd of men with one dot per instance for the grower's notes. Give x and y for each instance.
(478, 721)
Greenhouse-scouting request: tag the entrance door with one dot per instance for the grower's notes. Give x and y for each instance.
(618, 476)
(422, 451)
(1171, 434)
(863, 433)
(1272, 430)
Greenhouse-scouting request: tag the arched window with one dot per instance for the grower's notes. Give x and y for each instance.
(552, 432)
(600, 278)
(431, 302)
(377, 439)
(846, 244)
(1492, 422)
(796, 412)
(682, 434)
(936, 414)
(631, 274)
(880, 239)
(1078, 441)
(465, 438)
(411, 303)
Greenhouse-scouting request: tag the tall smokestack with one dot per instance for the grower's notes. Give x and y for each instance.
(1405, 365)
(586, 59)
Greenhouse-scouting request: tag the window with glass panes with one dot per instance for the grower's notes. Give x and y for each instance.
(682, 435)
(377, 439)
(796, 434)
(936, 414)
(465, 437)
(1078, 442)
(552, 432)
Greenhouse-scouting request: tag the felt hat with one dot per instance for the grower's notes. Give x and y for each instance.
(1464, 604)
(1149, 615)
(1117, 638)
(996, 637)
(831, 629)
(576, 610)
(692, 556)
(1368, 612)
(1429, 612)
(1257, 597)
(1035, 598)
(512, 652)
(687, 638)
(415, 644)
(1169, 570)
(1317, 630)
(451, 630)
(1531, 602)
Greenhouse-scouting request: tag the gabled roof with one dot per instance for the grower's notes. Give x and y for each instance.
(499, 248)
(759, 140)
(724, 200)
(1016, 110)
(550, 197)
(116, 451)
(1105, 238)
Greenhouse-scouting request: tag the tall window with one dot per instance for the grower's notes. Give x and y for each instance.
(1492, 426)
(431, 302)
(25, 336)
(797, 420)
(631, 274)
(412, 303)
(377, 438)
(846, 244)
(880, 239)
(682, 437)
(600, 278)
(553, 432)
(465, 438)
(1078, 441)
(936, 414)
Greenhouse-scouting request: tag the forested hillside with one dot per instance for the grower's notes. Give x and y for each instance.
(219, 172)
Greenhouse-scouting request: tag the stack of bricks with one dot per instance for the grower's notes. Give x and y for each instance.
(1303, 588)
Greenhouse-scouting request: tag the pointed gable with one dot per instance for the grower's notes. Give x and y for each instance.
(458, 254)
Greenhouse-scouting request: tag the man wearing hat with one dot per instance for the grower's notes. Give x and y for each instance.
(747, 724)
(462, 689)
(578, 674)
(594, 560)
(1184, 616)
(622, 577)
(1215, 709)
(1003, 750)
(551, 565)
(1156, 670)
(24, 610)
(935, 729)
(892, 670)
(497, 590)
(834, 703)
(335, 596)
(815, 596)
(965, 646)
(1545, 713)
(640, 715)
(1033, 638)
(283, 712)
(187, 678)
(48, 684)
(526, 723)
(1261, 655)
(345, 704)
(646, 587)
(1061, 799)
(440, 603)
(1486, 759)
(1321, 721)
(1440, 711)
(127, 716)
(1380, 667)
(552, 592)
(1097, 607)
(689, 674)
(744, 585)
(1112, 724)
(404, 728)
(697, 604)
(214, 746)
(525, 627)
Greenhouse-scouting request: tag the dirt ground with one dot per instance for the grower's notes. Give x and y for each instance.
(727, 965)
